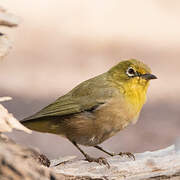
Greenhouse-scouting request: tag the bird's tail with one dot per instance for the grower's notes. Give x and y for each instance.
(34, 124)
(43, 124)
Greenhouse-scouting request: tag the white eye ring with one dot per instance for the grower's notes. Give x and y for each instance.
(131, 72)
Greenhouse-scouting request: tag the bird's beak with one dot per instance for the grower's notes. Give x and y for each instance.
(148, 76)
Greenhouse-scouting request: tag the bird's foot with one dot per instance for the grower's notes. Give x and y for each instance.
(100, 160)
(128, 154)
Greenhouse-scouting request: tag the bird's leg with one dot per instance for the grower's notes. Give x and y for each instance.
(130, 155)
(101, 149)
(99, 160)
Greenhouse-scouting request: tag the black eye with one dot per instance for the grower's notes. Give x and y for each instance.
(131, 72)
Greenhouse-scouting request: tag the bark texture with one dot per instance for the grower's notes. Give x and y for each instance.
(161, 164)
(18, 162)
(8, 19)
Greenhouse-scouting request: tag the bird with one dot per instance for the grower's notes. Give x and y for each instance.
(97, 108)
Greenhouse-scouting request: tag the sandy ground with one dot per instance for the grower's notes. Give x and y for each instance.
(61, 43)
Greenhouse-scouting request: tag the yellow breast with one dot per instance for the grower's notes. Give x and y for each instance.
(135, 93)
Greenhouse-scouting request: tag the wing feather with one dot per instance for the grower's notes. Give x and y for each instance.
(84, 97)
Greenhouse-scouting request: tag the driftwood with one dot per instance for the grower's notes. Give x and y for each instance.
(5, 45)
(8, 19)
(164, 164)
(8, 122)
(20, 163)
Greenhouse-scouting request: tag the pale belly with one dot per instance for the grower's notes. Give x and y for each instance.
(93, 129)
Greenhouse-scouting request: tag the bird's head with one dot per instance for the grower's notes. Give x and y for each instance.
(131, 75)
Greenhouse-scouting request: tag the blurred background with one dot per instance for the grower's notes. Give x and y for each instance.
(61, 43)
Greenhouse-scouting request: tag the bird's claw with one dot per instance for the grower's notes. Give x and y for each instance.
(128, 154)
(100, 160)
(104, 161)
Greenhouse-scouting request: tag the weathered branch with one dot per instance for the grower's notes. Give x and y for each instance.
(163, 163)
(5, 45)
(8, 19)
(6, 98)
(17, 162)
(8, 122)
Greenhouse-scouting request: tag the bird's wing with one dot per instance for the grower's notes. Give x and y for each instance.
(63, 107)
(84, 97)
